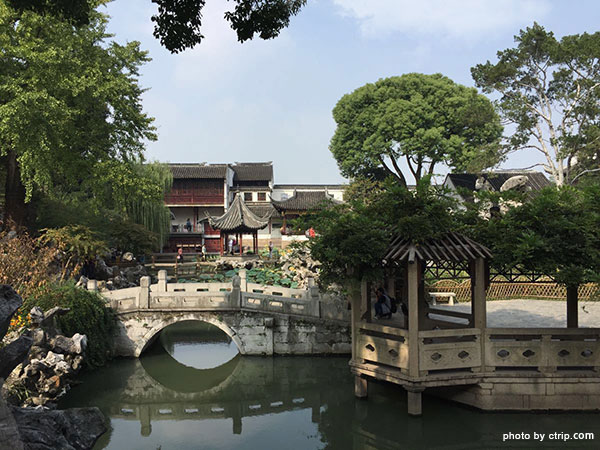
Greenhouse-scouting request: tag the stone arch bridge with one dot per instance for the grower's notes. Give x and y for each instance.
(260, 320)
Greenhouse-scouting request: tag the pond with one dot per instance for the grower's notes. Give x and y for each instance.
(191, 390)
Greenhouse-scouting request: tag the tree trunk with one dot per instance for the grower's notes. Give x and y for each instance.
(572, 310)
(15, 209)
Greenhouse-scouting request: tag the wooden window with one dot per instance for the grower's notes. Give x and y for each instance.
(262, 196)
(247, 196)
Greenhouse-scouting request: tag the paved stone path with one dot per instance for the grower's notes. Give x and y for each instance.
(532, 313)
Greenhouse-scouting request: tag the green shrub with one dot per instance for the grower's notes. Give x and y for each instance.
(88, 315)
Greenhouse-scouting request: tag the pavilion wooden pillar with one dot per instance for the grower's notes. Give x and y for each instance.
(413, 278)
(478, 305)
(391, 282)
(478, 300)
(572, 309)
(240, 243)
(221, 242)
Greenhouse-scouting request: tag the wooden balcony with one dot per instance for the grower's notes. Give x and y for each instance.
(194, 200)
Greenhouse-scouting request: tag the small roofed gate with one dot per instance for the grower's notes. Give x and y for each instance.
(417, 353)
(238, 220)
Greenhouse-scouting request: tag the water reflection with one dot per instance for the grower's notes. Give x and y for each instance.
(196, 344)
(288, 402)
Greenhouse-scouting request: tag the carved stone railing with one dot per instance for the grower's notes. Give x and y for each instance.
(449, 349)
(236, 295)
(383, 345)
(544, 349)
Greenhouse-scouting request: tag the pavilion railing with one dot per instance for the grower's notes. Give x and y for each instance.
(544, 349)
(382, 344)
(449, 349)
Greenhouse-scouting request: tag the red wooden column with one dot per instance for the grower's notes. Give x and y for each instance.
(240, 243)
(221, 241)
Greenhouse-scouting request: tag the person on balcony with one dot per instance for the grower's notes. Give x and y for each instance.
(188, 225)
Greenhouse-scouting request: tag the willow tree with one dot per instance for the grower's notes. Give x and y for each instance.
(422, 120)
(70, 100)
(136, 191)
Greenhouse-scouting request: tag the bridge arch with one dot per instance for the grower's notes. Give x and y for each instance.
(148, 338)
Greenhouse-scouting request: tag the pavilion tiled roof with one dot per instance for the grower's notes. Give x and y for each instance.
(304, 201)
(238, 218)
(449, 247)
(192, 171)
(260, 171)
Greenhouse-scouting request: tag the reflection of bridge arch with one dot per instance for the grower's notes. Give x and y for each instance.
(152, 333)
(182, 378)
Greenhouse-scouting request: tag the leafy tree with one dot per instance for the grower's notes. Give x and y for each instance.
(550, 91)
(556, 233)
(69, 101)
(426, 120)
(352, 237)
(76, 244)
(178, 22)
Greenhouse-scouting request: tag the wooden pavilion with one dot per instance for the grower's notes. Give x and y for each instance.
(455, 354)
(238, 220)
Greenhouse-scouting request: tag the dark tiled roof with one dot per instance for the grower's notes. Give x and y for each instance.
(238, 218)
(450, 247)
(303, 201)
(211, 171)
(264, 211)
(310, 186)
(253, 171)
(535, 180)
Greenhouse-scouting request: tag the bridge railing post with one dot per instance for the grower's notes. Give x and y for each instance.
(143, 299)
(92, 285)
(314, 296)
(235, 296)
(243, 280)
(162, 281)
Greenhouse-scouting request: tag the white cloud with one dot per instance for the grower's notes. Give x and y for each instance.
(451, 18)
(220, 53)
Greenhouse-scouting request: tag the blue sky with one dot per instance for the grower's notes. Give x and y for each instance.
(271, 100)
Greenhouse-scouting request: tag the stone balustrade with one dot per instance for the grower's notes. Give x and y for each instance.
(238, 294)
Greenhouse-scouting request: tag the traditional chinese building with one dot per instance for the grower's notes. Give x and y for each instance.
(201, 190)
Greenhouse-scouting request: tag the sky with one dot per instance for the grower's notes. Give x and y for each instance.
(272, 100)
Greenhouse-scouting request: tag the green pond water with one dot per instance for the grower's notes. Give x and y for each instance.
(191, 390)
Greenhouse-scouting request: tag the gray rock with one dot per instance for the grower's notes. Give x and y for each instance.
(103, 272)
(128, 256)
(82, 282)
(37, 316)
(62, 368)
(51, 315)
(14, 354)
(10, 302)
(516, 182)
(71, 429)
(39, 337)
(62, 344)
(52, 358)
(133, 274)
(79, 343)
(9, 433)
